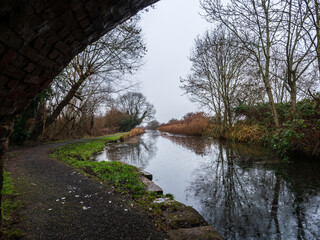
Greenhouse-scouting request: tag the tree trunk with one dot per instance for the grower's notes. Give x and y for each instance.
(293, 98)
(75, 87)
(317, 8)
(5, 132)
(272, 105)
(229, 117)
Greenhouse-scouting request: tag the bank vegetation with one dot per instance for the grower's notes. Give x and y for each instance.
(256, 72)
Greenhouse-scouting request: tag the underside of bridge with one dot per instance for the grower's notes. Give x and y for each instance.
(38, 38)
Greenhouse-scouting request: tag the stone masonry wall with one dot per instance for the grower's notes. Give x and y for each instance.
(38, 38)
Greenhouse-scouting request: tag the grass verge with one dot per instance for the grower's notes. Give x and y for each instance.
(9, 209)
(124, 178)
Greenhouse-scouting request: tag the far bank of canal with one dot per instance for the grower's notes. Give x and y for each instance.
(244, 191)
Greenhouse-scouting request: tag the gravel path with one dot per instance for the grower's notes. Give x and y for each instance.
(62, 203)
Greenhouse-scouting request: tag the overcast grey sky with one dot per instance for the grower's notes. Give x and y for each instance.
(169, 31)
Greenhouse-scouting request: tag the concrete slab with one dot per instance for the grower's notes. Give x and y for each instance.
(151, 186)
(146, 174)
(196, 233)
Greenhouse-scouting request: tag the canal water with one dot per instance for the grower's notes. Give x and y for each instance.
(244, 191)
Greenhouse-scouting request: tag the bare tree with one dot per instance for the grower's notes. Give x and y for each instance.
(255, 23)
(298, 55)
(218, 68)
(138, 109)
(101, 64)
(313, 12)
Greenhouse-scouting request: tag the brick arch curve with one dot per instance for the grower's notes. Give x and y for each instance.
(38, 38)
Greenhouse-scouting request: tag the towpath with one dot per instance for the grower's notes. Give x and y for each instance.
(62, 203)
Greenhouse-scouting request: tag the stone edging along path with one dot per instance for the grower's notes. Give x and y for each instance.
(64, 203)
(183, 222)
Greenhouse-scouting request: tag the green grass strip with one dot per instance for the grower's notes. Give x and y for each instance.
(124, 178)
(9, 208)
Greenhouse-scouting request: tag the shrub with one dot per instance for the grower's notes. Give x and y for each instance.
(298, 135)
(194, 124)
(20, 132)
(247, 133)
(215, 131)
(135, 132)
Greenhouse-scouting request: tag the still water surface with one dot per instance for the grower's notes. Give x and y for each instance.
(243, 191)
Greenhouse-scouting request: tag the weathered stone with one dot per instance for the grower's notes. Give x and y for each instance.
(81, 13)
(33, 79)
(197, 233)
(32, 54)
(146, 174)
(48, 63)
(62, 47)
(85, 22)
(14, 72)
(9, 37)
(48, 14)
(151, 186)
(20, 62)
(30, 67)
(10, 56)
(38, 70)
(3, 80)
(13, 83)
(182, 216)
(69, 40)
(54, 54)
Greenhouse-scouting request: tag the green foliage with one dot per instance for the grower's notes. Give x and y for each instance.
(20, 133)
(300, 132)
(306, 109)
(9, 209)
(20, 130)
(283, 140)
(7, 187)
(82, 151)
(126, 125)
(124, 178)
(261, 113)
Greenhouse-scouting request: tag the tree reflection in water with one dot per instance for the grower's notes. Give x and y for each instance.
(242, 190)
(246, 196)
(198, 145)
(137, 151)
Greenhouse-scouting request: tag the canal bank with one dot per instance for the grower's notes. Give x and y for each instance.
(176, 219)
(244, 191)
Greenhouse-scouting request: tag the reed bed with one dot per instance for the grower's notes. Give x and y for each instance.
(194, 126)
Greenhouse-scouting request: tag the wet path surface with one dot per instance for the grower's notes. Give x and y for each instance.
(245, 192)
(62, 203)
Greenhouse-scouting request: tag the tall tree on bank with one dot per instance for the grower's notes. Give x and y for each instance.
(313, 12)
(297, 55)
(117, 53)
(135, 105)
(218, 69)
(255, 23)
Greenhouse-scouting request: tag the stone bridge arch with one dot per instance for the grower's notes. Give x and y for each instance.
(38, 38)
